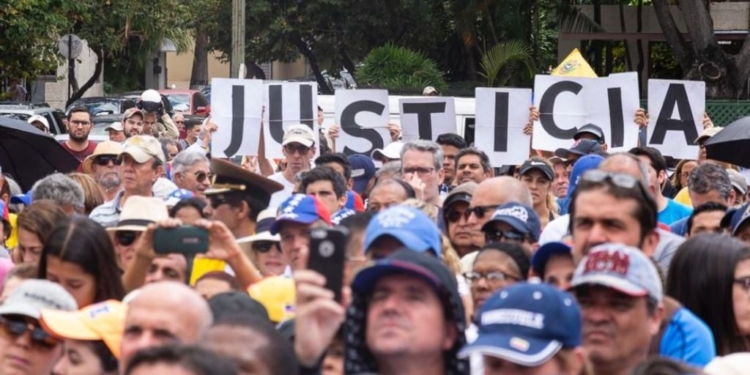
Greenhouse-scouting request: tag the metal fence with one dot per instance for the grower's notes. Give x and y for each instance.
(722, 112)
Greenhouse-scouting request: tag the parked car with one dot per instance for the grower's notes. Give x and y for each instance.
(103, 105)
(22, 111)
(190, 102)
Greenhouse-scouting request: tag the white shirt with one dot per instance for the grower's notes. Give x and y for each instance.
(555, 230)
(280, 196)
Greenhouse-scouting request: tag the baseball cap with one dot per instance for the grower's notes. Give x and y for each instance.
(102, 321)
(116, 126)
(708, 133)
(262, 228)
(543, 253)
(734, 218)
(580, 147)
(519, 216)
(429, 90)
(462, 193)
(176, 196)
(142, 148)
(234, 303)
(541, 166)
(363, 169)
(590, 129)
(406, 261)
(39, 118)
(34, 295)
(130, 112)
(278, 295)
(580, 167)
(102, 148)
(24, 199)
(410, 226)
(299, 133)
(622, 268)
(738, 181)
(391, 152)
(303, 209)
(527, 324)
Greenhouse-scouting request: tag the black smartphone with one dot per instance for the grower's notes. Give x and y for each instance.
(327, 256)
(186, 239)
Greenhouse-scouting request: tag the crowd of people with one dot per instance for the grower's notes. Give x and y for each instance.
(576, 262)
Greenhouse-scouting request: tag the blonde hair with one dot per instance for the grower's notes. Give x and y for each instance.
(92, 193)
(448, 253)
(550, 201)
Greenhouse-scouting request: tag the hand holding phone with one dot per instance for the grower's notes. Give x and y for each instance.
(327, 256)
(185, 239)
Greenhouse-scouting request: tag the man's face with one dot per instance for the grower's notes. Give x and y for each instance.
(79, 126)
(194, 132)
(702, 150)
(229, 214)
(138, 176)
(385, 196)
(741, 297)
(405, 318)
(294, 238)
(20, 355)
(562, 180)
(503, 232)
(742, 233)
(321, 117)
(459, 231)
(383, 247)
(469, 168)
(106, 175)
(449, 162)
(133, 125)
(710, 196)
(40, 126)
(559, 271)
(172, 151)
(270, 259)
(297, 157)
(197, 178)
(483, 205)
(422, 164)
(172, 267)
(149, 119)
(601, 218)
(125, 243)
(323, 189)
(116, 136)
(653, 177)
(242, 345)
(707, 222)
(616, 327)
(179, 121)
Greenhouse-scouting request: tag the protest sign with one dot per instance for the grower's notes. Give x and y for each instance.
(676, 109)
(236, 108)
(567, 103)
(427, 118)
(362, 116)
(500, 118)
(287, 104)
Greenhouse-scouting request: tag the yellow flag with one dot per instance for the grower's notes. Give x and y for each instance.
(574, 66)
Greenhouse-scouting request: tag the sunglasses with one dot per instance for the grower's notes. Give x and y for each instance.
(126, 237)
(202, 176)
(263, 246)
(292, 148)
(15, 328)
(480, 211)
(499, 236)
(104, 160)
(453, 216)
(217, 200)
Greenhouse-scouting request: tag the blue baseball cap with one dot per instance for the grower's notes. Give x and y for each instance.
(519, 216)
(527, 324)
(176, 196)
(363, 169)
(580, 167)
(302, 209)
(543, 253)
(24, 199)
(410, 226)
(735, 217)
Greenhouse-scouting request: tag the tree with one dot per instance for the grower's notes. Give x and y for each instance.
(400, 70)
(702, 58)
(497, 59)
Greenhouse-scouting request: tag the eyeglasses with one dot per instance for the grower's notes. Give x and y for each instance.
(79, 122)
(422, 171)
(179, 122)
(480, 211)
(104, 160)
(202, 176)
(264, 246)
(624, 181)
(126, 237)
(15, 328)
(491, 277)
(499, 236)
(453, 216)
(743, 282)
(292, 148)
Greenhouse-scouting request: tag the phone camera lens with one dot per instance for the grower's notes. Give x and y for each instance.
(326, 249)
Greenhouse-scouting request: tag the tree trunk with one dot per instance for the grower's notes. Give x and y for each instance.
(199, 74)
(347, 61)
(672, 34)
(254, 71)
(314, 65)
(86, 86)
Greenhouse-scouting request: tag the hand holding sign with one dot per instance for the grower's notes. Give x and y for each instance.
(287, 104)
(237, 107)
(678, 106)
(501, 115)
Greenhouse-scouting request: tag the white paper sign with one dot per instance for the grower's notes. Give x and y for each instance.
(236, 108)
(287, 104)
(427, 118)
(676, 110)
(500, 118)
(567, 103)
(362, 116)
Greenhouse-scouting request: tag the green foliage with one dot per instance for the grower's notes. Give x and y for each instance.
(397, 68)
(495, 60)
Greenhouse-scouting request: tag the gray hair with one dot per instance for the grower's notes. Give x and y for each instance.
(425, 146)
(187, 159)
(61, 189)
(391, 168)
(708, 176)
(15, 189)
(168, 141)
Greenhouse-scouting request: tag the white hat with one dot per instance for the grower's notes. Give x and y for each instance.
(429, 90)
(143, 148)
(138, 212)
(392, 152)
(116, 126)
(32, 296)
(299, 133)
(262, 229)
(38, 118)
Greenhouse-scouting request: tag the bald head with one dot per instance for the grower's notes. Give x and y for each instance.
(490, 194)
(626, 164)
(164, 313)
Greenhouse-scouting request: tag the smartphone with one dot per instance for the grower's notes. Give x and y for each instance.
(327, 256)
(187, 239)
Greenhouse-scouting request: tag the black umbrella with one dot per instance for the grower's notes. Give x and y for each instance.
(731, 144)
(28, 155)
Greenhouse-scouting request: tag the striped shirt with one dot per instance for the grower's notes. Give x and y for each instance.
(107, 214)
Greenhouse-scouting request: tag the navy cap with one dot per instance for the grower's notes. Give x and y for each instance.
(520, 217)
(406, 261)
(590, 129)
(24, 199)
(541, 166)
(410, 226)
(363, 169)
(580, 147)
(735, 217)
(543, 253)
(527, 324)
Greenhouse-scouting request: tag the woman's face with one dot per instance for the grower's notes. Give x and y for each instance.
(30, 246)
(125, 242)
(80, 284)
(741, 296)
(271, 261)
(78, 359)
(685, 173)
(493, 270)
(538, 185)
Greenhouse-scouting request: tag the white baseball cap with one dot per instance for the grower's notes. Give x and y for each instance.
(38, 118)
(299, 133)
(392, 151)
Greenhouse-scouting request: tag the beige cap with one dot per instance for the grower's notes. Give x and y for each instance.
(138, 212)
(429, 90)
(738, 181)
(299, 133)
(102, 148)
(116, 126)
(142, 148)
(130, 113)
(708, 133)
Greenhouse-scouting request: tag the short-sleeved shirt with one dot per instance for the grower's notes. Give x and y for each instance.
(107, 214)
(673, 212)
(278, 197)
(688, 339)
(80, 155)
